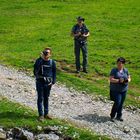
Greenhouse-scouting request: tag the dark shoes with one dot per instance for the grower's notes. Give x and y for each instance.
(112, 119)
(85, 71)
(119, 119)
(77, 71)
(41, 118)
(48, 117)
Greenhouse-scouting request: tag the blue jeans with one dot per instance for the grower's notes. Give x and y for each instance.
(80, 46)
(43, 91)
(117, 107)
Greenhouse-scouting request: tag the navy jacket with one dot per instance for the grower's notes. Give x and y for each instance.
(119, 87)
(83, 29)
(43, 68)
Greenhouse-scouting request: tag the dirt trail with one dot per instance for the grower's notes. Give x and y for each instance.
(71, 105)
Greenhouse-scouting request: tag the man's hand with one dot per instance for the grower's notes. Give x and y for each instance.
(49, 84)
(78, 34)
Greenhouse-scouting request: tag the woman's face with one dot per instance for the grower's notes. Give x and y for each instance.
(120, 65)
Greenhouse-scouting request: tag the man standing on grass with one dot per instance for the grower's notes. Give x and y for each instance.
(45, 73)
(80, 34)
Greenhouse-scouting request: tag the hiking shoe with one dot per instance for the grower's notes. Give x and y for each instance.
(112, 119)
(77, 71)
(85, 71)
(41, 118)
(119, 119)
(48, 117)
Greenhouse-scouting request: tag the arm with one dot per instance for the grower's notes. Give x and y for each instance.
(75, 34)
(37, 67)
(129, 78)
(86, 31)
(113, 80)
(54, 72)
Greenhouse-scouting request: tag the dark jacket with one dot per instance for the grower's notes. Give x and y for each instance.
(83, 29)
(45, 69)
(119, 87)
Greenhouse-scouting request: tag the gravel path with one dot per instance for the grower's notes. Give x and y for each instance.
(69, 104)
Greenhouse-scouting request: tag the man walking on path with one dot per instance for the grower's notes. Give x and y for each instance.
(45, 73)
(80, 34)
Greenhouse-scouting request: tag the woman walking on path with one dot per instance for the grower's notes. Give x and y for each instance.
(119, 78)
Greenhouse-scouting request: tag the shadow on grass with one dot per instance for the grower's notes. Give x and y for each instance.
(93, 118)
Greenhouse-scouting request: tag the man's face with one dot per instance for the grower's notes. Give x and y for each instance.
(80, 22)
(47, 54)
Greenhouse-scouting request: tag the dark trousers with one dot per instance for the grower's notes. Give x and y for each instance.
(117, 107)
(43, 92)
(80, 46)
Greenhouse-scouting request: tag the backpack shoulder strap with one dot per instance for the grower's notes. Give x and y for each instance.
(51, 62)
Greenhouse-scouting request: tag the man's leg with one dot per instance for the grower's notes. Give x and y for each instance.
(85, 56)
(46, 99)
(39, 88)
(77, 55)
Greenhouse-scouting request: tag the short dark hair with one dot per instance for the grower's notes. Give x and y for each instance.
(121, 59)
(47, 49)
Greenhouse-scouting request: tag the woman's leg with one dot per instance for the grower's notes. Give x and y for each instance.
(119, 112)
(117, 102)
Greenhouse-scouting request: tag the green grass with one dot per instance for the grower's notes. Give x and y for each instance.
(27, 26)
(15, 115)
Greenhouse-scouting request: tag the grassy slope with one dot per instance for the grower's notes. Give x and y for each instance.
(27, 26)
(12, 114)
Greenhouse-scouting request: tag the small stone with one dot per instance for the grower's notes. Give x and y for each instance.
(50, 129)
(67, 138)
(9, 134)
(52, 136)
(26, 90)
(2, 136)
(1, 129)
(138, 131)
(41, 137)
(26, 135)
(55, 95)
(73, 95)
(71, 89)
(39, 128)
(126, 129)
(9, 78)
(10, 86)
(63, 102)
(83, 92)
(16, 132)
